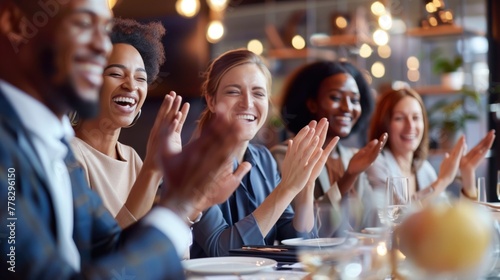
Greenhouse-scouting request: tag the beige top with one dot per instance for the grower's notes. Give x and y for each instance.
(112, 179)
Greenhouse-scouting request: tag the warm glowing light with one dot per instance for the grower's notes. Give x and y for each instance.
(377, 8)
(430, 7)
(187, 8)
(378, 69)
(385, 21)
(412, 63)
(381, 249)
(448, 15)
(413, 75)
(215, 31)
(433, 21)
(437, 3)
(217, 5)
(112, 3)
(341, 22)
(298, 42)
(255, 46)
(380, 37)
(384, 51)
(365, 51)
(398, 26)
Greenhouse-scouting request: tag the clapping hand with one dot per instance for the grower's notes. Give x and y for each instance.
(169, 111)
(189, 175)
(366, 155)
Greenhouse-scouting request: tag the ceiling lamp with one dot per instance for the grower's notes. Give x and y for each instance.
(217, 5)
(215, 31)
(187, 8)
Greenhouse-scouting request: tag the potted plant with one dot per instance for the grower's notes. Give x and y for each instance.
(450, 69)
(448, 117)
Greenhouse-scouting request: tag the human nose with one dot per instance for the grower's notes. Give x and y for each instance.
(246, 100)
(346, 104)
(130, 84)
(410, 122)
(101, 41)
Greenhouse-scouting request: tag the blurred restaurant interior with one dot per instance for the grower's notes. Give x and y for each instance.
(393, 41)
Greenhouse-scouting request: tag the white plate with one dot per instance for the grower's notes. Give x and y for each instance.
(228, 265)
(374, 230)
(314, 242)
(362, 235)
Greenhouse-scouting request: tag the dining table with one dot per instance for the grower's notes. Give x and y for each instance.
(285, 267)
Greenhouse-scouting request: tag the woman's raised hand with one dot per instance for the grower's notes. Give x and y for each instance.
(322, 128)
(170, 113)
(471, 160)
(449, 166)
(366, 155)
(303, 153)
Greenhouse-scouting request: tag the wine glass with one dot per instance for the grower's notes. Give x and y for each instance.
(397, 199)
(498, 184)
(481, 190)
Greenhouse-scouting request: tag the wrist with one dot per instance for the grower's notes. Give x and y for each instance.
(469, 193)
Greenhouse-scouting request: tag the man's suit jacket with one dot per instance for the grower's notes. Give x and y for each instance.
(28, 242)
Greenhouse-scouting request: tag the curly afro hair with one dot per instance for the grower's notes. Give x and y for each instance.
(146, 38)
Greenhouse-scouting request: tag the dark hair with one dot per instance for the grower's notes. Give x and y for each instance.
(304, 83)
(219, 67)
(381, 119)
(146, 38)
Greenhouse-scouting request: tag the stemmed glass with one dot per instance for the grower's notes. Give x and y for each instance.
(396, 206)
(498, 184)
(397, 199)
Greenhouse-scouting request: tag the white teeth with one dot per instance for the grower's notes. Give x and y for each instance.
(92, 68)
(246, 117)
(344, 119)
(409, 137)
(122, 99)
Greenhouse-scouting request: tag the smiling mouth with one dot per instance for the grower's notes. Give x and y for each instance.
(249, 118)
(409, 137)
(124, 101)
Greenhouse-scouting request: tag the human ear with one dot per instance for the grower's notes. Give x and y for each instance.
(312, 106)
(210, 103)
(11, 23)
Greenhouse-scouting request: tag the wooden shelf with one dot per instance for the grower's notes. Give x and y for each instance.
(291, 53)
(341, 40)
(441, 30)
(435, 90)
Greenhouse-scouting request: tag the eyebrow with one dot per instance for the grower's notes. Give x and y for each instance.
(121, 66)
(238, 86)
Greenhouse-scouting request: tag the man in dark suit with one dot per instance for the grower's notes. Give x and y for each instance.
(52, 225)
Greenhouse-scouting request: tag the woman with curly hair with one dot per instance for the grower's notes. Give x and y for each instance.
(337, 91)
(126, 184)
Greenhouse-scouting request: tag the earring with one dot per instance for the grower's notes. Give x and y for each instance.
(73, 118)
(135, 119)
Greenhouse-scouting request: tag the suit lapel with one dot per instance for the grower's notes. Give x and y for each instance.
(10, 120)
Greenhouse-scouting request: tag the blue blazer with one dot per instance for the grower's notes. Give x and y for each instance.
(28, 246)
(231, 224)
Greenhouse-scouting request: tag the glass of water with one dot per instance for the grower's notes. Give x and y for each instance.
(397, 199)
(498, 184)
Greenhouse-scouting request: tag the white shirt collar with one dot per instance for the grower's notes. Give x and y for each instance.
(37, 118)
